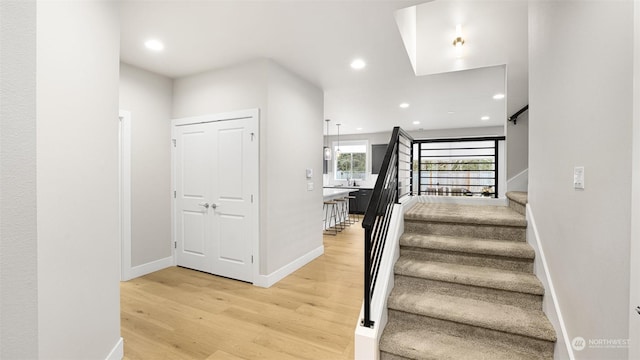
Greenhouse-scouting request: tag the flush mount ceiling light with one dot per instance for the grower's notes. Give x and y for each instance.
(485, 118)
(458, 41)
(155, 45)
(358, 64)
(498, 96)
(404, 105)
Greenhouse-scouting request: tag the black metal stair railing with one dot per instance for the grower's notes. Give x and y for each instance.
(394, 182)
(457, 166)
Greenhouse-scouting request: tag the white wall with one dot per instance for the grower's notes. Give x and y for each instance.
(77, 179)
(291, 123)
(518, 145)
(581, 115)
(463, 132)
(294, 143)
(634, 279)
(148, 97)
(18, 236)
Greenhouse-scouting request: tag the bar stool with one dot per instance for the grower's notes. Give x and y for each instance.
(353, 218)
(330, 212)
(342, 213)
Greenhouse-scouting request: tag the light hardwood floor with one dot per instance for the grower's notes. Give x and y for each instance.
(184, 314)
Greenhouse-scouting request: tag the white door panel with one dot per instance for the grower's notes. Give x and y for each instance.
(192, 226)
(232, 255)
(216, 165)
(194, 232)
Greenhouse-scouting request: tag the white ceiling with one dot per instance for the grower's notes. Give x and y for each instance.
(317, 40)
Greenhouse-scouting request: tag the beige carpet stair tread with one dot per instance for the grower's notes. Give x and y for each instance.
(414, 343)
(510, 319)
(470, 275)
(469, 245)
(469, 214)
(521, 197)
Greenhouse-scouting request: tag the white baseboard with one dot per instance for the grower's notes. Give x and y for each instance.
(550, 304)
(117, 353)
(268, 280)
(148, 268)
(519, 182)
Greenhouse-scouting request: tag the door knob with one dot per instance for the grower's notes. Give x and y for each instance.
(206, 205)
(214, 206)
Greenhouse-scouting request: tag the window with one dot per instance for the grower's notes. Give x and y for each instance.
(351, 161)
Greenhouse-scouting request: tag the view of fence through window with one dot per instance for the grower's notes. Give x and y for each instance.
(351, 162)
(456, 168)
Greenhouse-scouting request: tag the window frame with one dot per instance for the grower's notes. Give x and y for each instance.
(367, 158)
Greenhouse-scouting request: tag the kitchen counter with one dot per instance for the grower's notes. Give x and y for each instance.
(348, 187)
(333, 193)
(358, 205)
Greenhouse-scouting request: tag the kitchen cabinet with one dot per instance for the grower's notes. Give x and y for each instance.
(377, 155)
(361, 201)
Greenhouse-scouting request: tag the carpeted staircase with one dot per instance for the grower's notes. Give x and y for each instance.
(464, 287)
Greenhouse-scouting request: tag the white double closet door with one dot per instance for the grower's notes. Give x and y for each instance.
(216, 180)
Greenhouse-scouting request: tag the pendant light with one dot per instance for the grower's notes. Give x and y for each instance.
(338, 149)
(327, 149)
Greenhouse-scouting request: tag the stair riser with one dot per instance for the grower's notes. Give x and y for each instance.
(541, 348)
(497, 262)
(508, 233)
(526, 301)
(520, 208)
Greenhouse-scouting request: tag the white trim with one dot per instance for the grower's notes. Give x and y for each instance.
(520, 182)
(268, 280)
(550, 303)
(234, 115)
(125, 193)
(148, 268)
(366, 340)
(117, 353)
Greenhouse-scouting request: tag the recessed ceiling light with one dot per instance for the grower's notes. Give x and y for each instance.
(358, 129)
(404, 105)
(498, 96)
(449, 112)
(358, 64)
(416, 123)
(154, 45)
(485, 118)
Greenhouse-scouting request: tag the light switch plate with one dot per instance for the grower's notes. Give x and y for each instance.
(578, 177)
(309, 173)
(309, 186)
